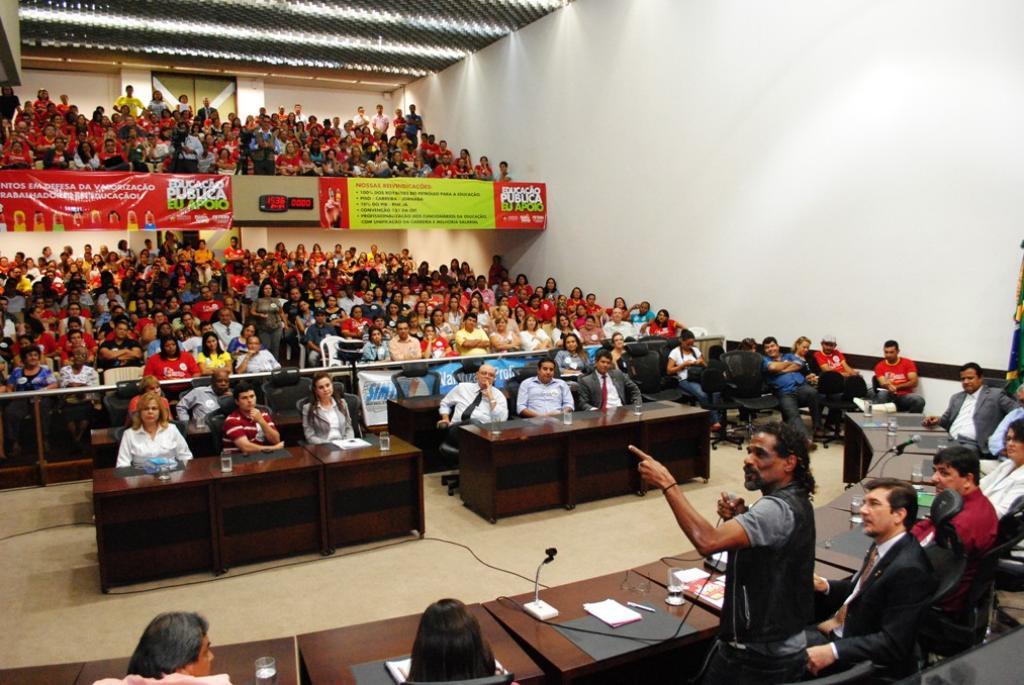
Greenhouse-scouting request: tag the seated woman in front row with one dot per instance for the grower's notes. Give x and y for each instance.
(151, 435)
(449, 646)
(325, 417)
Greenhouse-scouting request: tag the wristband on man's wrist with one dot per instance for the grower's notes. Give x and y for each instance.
(669, 486)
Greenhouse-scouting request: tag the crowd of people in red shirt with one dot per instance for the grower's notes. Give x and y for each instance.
(48, 134)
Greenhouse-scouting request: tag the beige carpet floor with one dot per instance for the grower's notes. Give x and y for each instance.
(51, 608)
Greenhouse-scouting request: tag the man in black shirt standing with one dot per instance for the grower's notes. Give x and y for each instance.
(769, 577)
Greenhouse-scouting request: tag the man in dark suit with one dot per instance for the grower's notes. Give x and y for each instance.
(606, 387)
(206, 111)
(973, 415)
(877, 610)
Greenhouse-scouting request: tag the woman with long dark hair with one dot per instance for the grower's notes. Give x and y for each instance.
(325, 418)
(449, 645)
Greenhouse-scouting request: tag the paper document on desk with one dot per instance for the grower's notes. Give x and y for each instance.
(612, 612)
(350, 444)
(399, 669)
(711, 592)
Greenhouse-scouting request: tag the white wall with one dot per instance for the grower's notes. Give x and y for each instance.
(249, 96)
(808, 167)
(87, 90)
(141, 81)
(324, 102)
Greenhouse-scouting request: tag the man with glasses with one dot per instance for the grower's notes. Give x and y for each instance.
(769, 588)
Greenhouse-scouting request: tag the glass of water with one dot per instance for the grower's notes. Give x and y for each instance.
(266, 671)
(638, 406)
(226, 464)
(917, 475)
(567, 416)
(674, 587)
(165, 472)
(385, 441)
(856, 502)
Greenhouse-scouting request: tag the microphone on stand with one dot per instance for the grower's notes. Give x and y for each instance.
(915, 438)
(538, 608)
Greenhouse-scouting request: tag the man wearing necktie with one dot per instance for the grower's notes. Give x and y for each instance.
(606, 387)
(878, 609)
(478, 402)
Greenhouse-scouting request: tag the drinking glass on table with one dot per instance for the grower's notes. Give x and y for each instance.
(856, 502)
(674, 587)
(266, 671)
(385, 441)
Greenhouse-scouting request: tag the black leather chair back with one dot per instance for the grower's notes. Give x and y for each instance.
(831, 383)
(215, 422)
(855, 386)
(744, 373)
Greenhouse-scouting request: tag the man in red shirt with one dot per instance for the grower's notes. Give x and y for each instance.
(829, 358)
(205, 307)
(957, 468)
(897, 378)
(249, 428)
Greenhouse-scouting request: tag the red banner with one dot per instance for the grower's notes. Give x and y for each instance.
(102, 200)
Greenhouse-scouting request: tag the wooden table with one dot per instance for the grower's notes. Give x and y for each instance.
(371, 494)
(327, 655)
(414, 419)
(53, 674)
(146, 528)
(670, 661)
(270, 508)
(236, 660)
(530, 464)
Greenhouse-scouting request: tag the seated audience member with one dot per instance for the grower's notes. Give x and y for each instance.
(31, 375)
(375, 349)
(957, 468)
(249, 428)
(748, 345)
(662, 325)
(198, 403)
(606, 387)
(78, 410)
(617, 325)
(620, 356)
(533, 338)
(479, 402)
(997, 443)
(829, 358)
(240, 345)
(680, 360)
(212, 356)
(226, 328)
(256, 359)
(1005, 483)
(172, 363)
(470, 340)
(640, 315)
(121, 350)
(543, 394)
(433, 345)
(897, 379)
(325, 418)
(404, 347)
(572, 360)
(973, 415)
(591, 332)
(877, 610)
(174, 648)
(146, 384)
(503, 339)
(315, 334)
(151, 435)
(785, 374)
(449, 646)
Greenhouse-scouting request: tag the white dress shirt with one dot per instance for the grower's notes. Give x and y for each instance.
(463, 394)
(963, 424)
(613, 395)
(137, 446)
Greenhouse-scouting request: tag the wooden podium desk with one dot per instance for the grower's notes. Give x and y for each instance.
(672, 660)
(414, 419)
(525, 465)
(865, 444)
(370, 494)
(328, 655)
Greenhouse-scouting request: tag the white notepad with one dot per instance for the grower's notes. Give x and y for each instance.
(350, 444)
(612, 612)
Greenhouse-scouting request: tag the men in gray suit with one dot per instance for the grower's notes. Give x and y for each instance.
(972, 415)
(606, 387)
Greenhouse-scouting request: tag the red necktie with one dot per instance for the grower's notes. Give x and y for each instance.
(604, 392)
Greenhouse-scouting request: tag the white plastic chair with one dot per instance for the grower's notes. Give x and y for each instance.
(329, 351)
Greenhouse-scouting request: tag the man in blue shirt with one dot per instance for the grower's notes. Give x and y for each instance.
(543, 395)
(789, 377)
(314, 336)
(997, 443)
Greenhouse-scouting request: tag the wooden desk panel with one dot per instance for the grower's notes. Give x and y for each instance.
(328, 655)
(369, 494)
(55, 674)
(270, 508)
(146, 528)
(669, 661)
(602, 465)
(414, 419)
(237, 660)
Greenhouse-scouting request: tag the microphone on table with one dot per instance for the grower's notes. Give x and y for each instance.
(915, 438)
(538, 608)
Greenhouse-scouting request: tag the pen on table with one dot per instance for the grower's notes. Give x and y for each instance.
(640, 606)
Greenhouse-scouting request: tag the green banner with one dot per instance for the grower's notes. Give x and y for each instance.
(420, 203)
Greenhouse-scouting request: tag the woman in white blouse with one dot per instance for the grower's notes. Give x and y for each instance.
(78, 409)
(151, 435)
(533, 337)
(1006, 482)
(325, 417)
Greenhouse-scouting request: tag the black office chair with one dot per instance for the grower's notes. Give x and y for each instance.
(746, 384)
(832, 383)
(449, 451)
(467, 372)
(355, 412)
(416, 380)
(488, 680)
(215, 422)
(116, 403)
(284, 389)
(646, 371)
(947, 554)
(713, 383)
(715, 353)
(1010, 569)
(858, 673)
